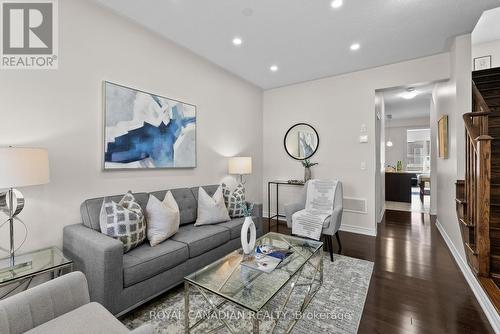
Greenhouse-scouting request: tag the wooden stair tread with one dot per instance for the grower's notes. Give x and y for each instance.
(466, 223)
(492, 291)
(471, 248)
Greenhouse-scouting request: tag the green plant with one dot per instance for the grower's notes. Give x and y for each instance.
(247, 209)
(308, 164)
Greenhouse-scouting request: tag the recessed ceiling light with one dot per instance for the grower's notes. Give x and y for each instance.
(237, 41)
(410, 93)
(273, 68)
(337, 3)
(355, 46)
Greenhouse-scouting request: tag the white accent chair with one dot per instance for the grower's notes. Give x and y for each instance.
(330, 227)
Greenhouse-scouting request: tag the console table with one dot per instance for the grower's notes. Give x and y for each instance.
(277, 215)
(49, 260)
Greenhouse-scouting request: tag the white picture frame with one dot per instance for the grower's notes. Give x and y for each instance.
(482, 63)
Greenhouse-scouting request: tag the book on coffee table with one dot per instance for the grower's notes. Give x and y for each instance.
(265, 263)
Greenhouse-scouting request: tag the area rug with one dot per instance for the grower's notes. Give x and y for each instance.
(336, 308)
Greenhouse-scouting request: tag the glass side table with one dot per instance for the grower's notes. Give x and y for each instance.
(49, 260)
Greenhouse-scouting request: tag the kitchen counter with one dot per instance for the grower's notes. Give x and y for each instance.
(398, 186)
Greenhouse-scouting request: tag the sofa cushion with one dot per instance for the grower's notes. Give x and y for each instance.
(145, 261)
(185, 200)
(89, 318)
(91, 208)
(234, 226)
(200, 239)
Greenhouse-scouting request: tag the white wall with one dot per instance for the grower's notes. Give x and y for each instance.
(487, 49)
(337, 107)
(62, 111)
(453, 98)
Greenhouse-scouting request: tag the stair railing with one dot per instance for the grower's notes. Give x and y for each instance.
(478, 180)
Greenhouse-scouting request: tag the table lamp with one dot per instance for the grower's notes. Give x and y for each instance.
(19, 167)
(240, 166)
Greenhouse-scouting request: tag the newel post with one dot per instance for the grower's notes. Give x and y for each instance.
(483, 177)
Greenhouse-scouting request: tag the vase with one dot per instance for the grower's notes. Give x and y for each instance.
(248, 245)
(307, 174)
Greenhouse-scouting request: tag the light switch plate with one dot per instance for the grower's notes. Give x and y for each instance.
(363, 165)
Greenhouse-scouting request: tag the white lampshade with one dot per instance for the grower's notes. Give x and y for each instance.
(22, 167)
(240, 165)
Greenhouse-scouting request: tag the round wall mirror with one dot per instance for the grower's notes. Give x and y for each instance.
(301, 141)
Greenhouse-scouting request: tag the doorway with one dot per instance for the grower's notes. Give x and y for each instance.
(406, 148)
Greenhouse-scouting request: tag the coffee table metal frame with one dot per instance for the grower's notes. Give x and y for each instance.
(311, 291)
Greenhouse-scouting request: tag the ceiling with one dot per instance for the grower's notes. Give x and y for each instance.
(306, 39)
(401, 108)
(488, 27)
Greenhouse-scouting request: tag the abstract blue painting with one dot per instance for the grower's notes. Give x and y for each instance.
(144, 130)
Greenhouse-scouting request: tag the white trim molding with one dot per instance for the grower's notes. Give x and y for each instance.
(359, 230)
(343, 227)
(381, 215)
(481, 296)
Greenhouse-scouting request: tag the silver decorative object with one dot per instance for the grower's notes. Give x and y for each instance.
(12, 203)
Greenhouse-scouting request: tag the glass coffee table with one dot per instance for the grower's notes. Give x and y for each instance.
(252, 289)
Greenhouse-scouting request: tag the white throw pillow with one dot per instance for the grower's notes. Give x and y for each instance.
(163, 218)
(211, 210)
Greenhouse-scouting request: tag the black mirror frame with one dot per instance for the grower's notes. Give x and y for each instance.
(286, 135)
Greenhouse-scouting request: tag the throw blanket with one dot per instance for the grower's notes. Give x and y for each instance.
(318, 209)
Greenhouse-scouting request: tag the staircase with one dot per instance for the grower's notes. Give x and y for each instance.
(478, 196)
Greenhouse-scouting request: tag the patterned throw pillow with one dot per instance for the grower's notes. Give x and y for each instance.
(123, 221)
(234, 200)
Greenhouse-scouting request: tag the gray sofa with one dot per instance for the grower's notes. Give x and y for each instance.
(60, 306)
(121, 282)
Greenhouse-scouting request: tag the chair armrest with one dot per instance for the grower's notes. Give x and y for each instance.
(100, 258)
(334, 223)
(290, 209)
(42, 303)
(144, 329)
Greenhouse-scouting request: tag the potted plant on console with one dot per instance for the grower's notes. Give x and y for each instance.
(307, 168)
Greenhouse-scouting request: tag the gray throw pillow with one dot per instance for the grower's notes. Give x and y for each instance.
(235, 200)
(123, 221)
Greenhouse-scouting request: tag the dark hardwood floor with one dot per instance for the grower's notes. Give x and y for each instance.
(416, 286)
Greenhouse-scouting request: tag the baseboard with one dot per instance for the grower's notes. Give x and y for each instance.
(474, 284)
(359, 230)
(344, 227)
(264, 215)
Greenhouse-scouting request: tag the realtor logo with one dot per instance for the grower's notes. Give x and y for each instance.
(29, 34)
